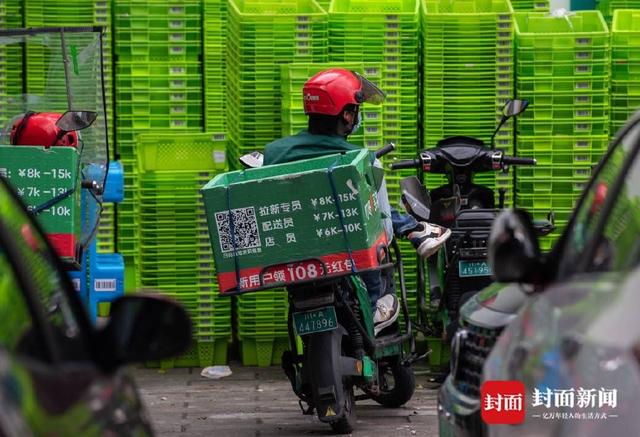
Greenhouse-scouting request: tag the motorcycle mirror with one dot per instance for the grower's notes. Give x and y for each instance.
(514, 107)
(252, 160)
(76, 120)
(415, 198)
(514, 251)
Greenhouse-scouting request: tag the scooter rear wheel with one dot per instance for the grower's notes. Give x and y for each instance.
(346, 424)
(397, 384)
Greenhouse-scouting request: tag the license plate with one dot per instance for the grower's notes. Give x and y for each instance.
(468, 269)
(319, 320)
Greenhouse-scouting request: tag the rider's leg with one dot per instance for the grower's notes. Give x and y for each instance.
(403, 224)
(425, 237)
(384, 303)
(373, 281)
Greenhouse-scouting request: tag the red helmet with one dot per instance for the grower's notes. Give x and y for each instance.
(329, 91)
(39, 129)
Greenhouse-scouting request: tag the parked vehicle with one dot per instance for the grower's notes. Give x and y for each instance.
(58, 374)
(579, 330)
(54, 151)
(469, 210)
(572, 313)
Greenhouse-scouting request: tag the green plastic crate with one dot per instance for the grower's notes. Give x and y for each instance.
(263, 352)
(173, 151)
(576, 31)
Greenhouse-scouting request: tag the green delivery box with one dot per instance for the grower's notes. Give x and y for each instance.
(295, 222)
(39, 174)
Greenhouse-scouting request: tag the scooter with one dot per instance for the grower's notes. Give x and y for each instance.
(333, 346)
(468, 209)
(65, 186)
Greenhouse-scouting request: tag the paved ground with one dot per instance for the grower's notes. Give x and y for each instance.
(259, 402)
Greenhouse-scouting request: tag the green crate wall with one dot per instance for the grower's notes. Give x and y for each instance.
(260, 37)
(625, 66)
(11, 16)
(75, 13)
(563, 70)
(608, 7)
(214, 24)
(159, 85)
(324, 4)
(384, 37)
(530, 5)
(72, 13)
(467, 72)
(174, 245)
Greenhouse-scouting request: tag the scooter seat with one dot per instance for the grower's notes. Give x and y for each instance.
(474, 218)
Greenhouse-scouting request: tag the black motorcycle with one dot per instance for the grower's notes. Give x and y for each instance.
(468, 209)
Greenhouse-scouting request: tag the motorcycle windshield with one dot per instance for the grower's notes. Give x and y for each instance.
(53, 94)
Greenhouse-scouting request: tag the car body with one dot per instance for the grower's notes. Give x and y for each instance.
(58, 374)
(598, 244)
(482, 319)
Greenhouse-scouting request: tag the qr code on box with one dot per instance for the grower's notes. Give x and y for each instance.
(245, 229)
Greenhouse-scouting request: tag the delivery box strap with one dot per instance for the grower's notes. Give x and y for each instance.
(49, 203)
(336, 200)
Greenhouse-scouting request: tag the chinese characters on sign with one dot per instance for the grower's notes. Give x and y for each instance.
(503, 402)
(579, 401)
(277, 221)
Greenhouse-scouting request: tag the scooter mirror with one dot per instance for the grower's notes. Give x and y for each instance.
(415, 198)
(514, 251)
(76, 120)
(514, 107)
(252, 160)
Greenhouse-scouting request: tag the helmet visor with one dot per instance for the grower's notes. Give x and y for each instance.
(370, 92)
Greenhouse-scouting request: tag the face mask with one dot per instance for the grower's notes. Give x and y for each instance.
(357, 124)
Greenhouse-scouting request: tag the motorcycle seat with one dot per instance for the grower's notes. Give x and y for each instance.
(473, 218)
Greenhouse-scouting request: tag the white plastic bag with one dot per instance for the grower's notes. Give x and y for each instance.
(216, 372)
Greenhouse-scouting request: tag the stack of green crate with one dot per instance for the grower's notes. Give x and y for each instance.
(468, 76)
(262, 327)
(625, 66)
(608, 7)
(293, 77)
(4, 92)
(562, 69)
(384, 37)
(214, 24)
(530, 5)
(75, 13)
(11, 63)
(78, 13)
(175, 250)
(158, 45)
(260, 37)
(324, 4)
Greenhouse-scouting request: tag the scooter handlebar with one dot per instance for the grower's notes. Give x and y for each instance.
(408, 163)
(386, 149)
(514, 160)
